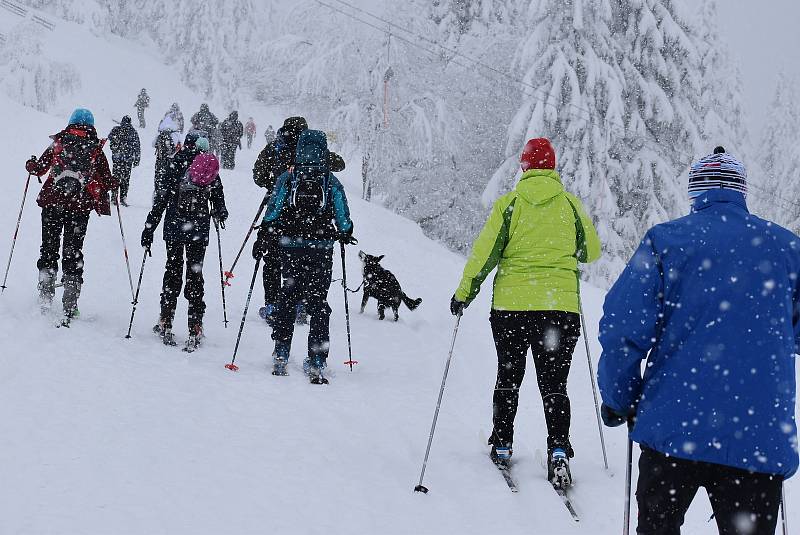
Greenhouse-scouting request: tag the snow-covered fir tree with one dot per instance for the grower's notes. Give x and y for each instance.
(616, 86)
(721, 86)
(777, 194)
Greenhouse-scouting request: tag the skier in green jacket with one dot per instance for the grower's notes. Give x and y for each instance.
(535, 236)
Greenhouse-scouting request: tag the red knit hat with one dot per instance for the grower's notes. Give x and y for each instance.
(538, 154)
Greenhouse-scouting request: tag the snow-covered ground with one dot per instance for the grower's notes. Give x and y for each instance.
(106, 435)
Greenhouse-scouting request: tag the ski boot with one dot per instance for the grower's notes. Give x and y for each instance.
(195, 338)
(558, 469)
(280, 359)
(267, 313)
(124, 202)
(501, 455)
(314, 366)
(164, 331)
(72, 291)
(47, 289)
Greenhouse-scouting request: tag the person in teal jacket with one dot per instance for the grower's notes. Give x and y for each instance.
(306, 214)
(535, 236)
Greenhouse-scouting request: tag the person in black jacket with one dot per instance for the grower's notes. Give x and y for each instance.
(205, 121)
(190, 200)
(231, 132)
(126, 152)
(274, 160)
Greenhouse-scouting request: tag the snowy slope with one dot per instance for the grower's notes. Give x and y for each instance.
(107, 435)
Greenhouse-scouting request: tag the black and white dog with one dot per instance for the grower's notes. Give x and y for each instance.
(381, 284)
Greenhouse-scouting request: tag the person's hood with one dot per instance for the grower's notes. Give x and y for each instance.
(538, 186)
(312, 148)
(126, 120)
(80, 130)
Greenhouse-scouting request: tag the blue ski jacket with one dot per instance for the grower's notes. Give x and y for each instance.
(712, 302)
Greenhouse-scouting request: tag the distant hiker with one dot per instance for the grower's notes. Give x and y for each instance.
(206, 122)
(142, 102)
(712, 302)
(250, 131)
(231, 131)
(274, 160)
(306, 215)
(79, 182)
(166, 144)
(190, 200)
(269, 135)
(126, 152)
(176, 115)
(536, 235)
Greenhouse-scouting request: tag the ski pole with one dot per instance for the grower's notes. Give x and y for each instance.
(138, 286)
(231, 366)
(221, 278)
(229, 273)
(16, 231)
(347, 312)
(626, 529)
(784, 516)
(125, 247)
(591, 379)
(420, 487)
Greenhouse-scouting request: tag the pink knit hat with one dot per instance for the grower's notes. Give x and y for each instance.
(204, 169)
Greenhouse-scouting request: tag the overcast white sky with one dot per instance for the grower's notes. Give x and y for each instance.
(764, 37)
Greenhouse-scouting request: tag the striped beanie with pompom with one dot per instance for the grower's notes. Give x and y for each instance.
(719, 170)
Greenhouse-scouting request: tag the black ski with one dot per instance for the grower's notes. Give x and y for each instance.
(505, 470)
(564, 498)
(562, 493)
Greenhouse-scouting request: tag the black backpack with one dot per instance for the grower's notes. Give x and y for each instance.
(309, 192)
(192, 200)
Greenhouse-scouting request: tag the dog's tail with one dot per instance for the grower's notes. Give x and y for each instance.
(411, 303)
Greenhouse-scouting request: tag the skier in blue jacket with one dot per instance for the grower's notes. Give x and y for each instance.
(711, 301)
(306, 214)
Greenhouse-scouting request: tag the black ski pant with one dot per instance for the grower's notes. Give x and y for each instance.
(228, 155)
(307, 275)
(63, 230)
(551, 336)
(249, 140)
(743, 502)
(272, 275)
(140, 115)
(173, 280)
(122, 171)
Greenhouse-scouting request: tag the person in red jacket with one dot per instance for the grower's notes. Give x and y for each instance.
(79, 182)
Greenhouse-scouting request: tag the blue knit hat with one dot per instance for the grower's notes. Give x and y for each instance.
(81, 116)
(201, 144)
(717, 171)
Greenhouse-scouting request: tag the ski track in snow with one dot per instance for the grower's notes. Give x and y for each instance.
(107, 435)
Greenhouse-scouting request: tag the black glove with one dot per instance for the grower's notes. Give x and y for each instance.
(347, 238)
(261, 244)
(457, 307)
(31, 165)
(614, 419)
(147, 237)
